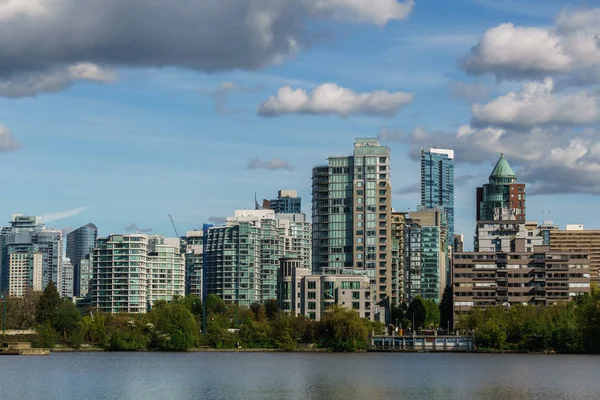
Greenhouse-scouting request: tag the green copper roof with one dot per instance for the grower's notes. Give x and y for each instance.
(502, 169)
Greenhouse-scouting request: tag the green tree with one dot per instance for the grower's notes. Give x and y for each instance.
(175, 327)
(67, 321)
(432, 318)
(447, 309)
(271, 308)
(343, 330)
(215, 305)
(21, 311)
(48, 304)
(417, 313)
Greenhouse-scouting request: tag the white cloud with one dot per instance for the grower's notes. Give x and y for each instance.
(30, 84)
(63, 214)
(537, 105)
(275, 164)
(7, 141)
(330, 98)
(40, 37)
(571, 47)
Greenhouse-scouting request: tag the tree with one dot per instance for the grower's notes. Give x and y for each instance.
(175, 328)
(48, 304)
(271, 308)
(215, 305)
(21, 311)
(67, 321)
(432, 318)
(447, 309)
(417, 313)
(343, 330)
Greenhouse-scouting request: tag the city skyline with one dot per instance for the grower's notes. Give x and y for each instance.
(87, 128)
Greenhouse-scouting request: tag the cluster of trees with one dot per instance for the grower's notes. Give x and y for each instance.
(177, 325)
(570, 328)
(426, 314)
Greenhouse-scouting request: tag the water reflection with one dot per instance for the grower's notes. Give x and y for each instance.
(298, 376)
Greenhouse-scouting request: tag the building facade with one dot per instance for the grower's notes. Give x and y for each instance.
(165, 269)
(437, 183)
(85, 275)
(501, 195)
(398, 234)
(508, 235)
(576, 239)
(351, 210)
(24, 273)
(193, 262)
(287, 202)
(80, 243)
(66, 282)
(542, 277)
(27, 234)
(302, 293)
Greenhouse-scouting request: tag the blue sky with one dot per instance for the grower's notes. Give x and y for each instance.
(147, 140)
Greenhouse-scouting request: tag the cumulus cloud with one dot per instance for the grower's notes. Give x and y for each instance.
(63, 214)
(39, 37)
(569, 47)
(217, 220)
(275, 164)
(538, 105)
(330, 98)
(134, 228)
(7, 141)
(30, 84)
(469, 91)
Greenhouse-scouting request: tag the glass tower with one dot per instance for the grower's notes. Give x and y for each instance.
(80, 243)
(437, 183)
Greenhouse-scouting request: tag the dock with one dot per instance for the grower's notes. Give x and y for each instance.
(21, 349)
(421, 343)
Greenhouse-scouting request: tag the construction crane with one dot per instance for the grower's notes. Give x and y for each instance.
(173, 223)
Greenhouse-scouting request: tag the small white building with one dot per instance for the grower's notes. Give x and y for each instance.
(24, 273)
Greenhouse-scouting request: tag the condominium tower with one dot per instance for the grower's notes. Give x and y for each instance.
(502, 197)
(351, 209)
(437, 183)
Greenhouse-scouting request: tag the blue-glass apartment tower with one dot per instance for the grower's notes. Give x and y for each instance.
(437, 183)
(80, 244)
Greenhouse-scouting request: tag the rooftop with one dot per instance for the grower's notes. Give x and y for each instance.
(502, 169)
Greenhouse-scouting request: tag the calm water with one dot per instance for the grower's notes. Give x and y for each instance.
(93, 376)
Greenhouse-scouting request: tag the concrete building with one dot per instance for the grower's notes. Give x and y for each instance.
(507, 236)
(541, 277)
(24, 273)
(351, 210)
(576, 239)
(120, 274)
(437, 183)
(85, 275)
(302, 293)
(27, 234)
(287, 202)
(165, 270)
(500, 194)
(398, 234)
(66, 282)
(80, 243)
(459, 243)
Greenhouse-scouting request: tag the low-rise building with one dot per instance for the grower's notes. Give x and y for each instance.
(302, 293)
(576, 238)
(541, 277)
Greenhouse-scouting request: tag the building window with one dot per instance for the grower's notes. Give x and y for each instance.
(312, 315)
(312, 295)
(312, 305)
(355, 295)
(356, 305)
(312, 285)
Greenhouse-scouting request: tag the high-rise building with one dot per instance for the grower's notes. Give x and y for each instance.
(502, 196)
(437, 183)
(577, 239)
(131, 271)
(67, 277)
(287, 202)
(193, 262)
(541, 277)
(459, 243)
(24, 273)
(426, 264)
(351, 210)
(242, 258)
(80, 243)
(398, 224)
(120, 274)
(507, 235)
(85, 275)
(165, 269)
(27, 234)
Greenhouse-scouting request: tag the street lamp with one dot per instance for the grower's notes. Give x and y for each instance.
(4, 299)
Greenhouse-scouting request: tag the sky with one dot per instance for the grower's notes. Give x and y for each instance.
(123, 112)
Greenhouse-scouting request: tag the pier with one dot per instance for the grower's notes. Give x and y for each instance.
(421, 343)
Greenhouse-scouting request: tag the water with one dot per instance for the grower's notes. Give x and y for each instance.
(96, 376)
